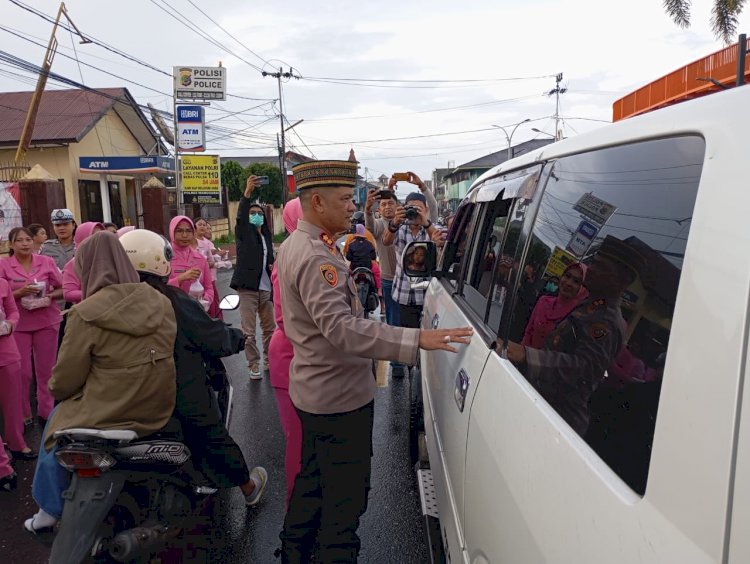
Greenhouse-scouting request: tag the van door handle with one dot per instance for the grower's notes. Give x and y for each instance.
(462, 388)
(435, 321)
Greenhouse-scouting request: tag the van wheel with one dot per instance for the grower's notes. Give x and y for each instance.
(416, 417)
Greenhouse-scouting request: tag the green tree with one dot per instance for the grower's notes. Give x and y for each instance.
(269, 193)
(233, 177)
(724, 16)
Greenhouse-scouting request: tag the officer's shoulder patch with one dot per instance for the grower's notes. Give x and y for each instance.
(330, 274)
(598, 330)
(327, 240)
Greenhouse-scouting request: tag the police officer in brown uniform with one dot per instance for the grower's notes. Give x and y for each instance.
(579, 350)
(331, 380)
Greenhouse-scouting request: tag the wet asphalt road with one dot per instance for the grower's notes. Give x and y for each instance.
(391, 530)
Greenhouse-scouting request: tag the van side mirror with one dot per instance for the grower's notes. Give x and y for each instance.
(419, 259)
(232, 301)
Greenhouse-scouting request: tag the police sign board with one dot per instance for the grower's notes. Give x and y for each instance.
(595, 209)
(200, 83)
(191, 133)
(201, 179)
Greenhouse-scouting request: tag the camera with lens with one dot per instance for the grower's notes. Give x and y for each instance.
(411, 212)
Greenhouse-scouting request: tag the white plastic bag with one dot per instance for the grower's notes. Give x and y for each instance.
(196, 289)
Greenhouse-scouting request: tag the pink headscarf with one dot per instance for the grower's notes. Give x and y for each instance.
(291, 214)
(360, 229)
(85, 230)
(126, 229)
(549, 311)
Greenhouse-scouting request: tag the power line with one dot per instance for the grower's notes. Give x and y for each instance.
(34, 69)
(407, 86)
(424, 81)
(174, 14)
(402, 114)
(89, 37)
(79, 62)
(229, 34)
(113, 49)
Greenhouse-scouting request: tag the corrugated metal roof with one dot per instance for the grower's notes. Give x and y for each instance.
(64, 116)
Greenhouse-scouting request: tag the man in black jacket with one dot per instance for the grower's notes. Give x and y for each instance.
(213, 451)
(252, 276)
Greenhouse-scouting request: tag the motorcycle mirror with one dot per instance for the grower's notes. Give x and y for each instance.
(232, 301)
(419, 259)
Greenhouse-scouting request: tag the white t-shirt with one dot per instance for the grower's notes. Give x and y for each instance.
(265, 280)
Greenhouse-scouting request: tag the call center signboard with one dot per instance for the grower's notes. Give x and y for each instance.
(201, 179)
(200, 83)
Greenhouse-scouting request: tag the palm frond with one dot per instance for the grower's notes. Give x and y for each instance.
(679, 11)
(725, 17)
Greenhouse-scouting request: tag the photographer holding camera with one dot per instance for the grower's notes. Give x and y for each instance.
(411, 222)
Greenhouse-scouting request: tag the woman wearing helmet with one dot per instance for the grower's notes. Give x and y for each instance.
(214, 452)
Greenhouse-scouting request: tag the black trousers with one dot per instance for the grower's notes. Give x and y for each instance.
(330, 492)
(411, 315)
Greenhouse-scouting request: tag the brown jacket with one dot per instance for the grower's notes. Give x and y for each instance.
(115, 368)
(323, 319)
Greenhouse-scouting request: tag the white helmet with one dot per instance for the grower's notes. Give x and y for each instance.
(148, 251)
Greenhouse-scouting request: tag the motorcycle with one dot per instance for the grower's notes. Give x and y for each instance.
(131, 497)
(366, 289)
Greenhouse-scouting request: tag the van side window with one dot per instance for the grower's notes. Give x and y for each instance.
(492, 220)
(598, 284)
(457, 243)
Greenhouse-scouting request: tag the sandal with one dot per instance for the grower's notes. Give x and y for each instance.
(30, 527)
(24, 454)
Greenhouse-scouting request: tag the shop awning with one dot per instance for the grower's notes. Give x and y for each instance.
(127, 165)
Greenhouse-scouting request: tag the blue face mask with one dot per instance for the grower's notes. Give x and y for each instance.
(257, 220)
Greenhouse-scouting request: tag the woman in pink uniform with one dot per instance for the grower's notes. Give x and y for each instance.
(188, 265)
(37, 285)
(10, 380)
(206, 248)
(71, 283)
(280, 353)
(550, 310)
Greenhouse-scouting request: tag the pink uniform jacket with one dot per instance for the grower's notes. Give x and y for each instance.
(186, 258)
(8, 349)
(71, 283)
(280, 351)
(43, 269)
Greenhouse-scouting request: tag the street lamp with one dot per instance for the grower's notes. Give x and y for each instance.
(543, 133)
(509, 138)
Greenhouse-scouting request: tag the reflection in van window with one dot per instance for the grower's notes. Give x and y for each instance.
(456, 244)
(594, 305)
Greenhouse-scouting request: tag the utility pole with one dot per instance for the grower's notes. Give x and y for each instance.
(28, 127)
(278, 76)
(557, 91)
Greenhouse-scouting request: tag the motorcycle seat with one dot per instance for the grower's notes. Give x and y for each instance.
(122, 435)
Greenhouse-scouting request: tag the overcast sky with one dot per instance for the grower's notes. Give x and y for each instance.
(604, 49)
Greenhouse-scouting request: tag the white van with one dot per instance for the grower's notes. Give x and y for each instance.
(660, 470)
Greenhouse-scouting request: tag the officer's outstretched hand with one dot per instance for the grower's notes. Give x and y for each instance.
(440, 339)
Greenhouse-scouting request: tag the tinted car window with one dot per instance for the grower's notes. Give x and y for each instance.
(492, 220)
(457, 243)
(594, 304)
